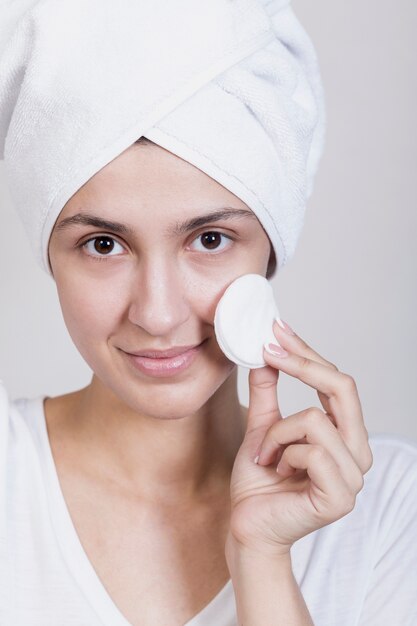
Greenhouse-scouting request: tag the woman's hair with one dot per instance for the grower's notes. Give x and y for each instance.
(145, 140)
(272, 263)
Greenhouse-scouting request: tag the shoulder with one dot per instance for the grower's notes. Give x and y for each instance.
(394, 456)
(389, 495)
(393, 441)
(12, 411)
(19, 421)
(394, 465)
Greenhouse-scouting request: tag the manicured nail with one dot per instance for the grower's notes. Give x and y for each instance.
(285, 326)
(275, 350)
(280, 469)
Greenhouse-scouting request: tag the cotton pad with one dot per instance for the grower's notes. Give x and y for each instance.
(243, 320)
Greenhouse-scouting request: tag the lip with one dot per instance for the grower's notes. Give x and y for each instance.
(162, 367)
(159, 354)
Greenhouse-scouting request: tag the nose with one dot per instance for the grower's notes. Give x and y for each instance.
(159, 302)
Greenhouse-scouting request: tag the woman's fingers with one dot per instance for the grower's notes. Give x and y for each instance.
(263, 397)
(315, 426)
(330, 495)
(303, 349)
(340, 390)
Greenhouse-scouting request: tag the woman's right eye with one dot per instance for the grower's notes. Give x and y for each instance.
(102, 244)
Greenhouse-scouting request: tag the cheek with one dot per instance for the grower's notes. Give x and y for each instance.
(89, 312)
(204, 296)
(204, 289)
(204, 292)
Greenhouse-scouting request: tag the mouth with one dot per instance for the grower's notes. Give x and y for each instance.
(160, 354)
(163, 366)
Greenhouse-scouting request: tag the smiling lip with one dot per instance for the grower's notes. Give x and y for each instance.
(160, 354)
(165, 366)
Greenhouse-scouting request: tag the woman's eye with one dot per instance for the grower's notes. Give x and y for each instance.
(210, 241)
(103, 245)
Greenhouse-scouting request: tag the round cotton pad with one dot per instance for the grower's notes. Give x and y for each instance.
(244, 318)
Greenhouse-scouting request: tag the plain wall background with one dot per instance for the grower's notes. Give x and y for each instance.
(350, 290)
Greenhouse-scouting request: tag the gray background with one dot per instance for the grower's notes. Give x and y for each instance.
(350, 290)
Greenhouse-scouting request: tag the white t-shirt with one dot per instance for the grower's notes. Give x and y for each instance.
(358, 571)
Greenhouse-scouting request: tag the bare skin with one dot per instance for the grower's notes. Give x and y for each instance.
(145, 463)
(161, 563)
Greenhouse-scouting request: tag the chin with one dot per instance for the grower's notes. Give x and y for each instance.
(169, 399)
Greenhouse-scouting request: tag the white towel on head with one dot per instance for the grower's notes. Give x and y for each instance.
(232, 86)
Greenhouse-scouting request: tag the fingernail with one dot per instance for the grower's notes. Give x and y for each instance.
(256, 459)
(280, 469)
(285, 326)
(275, 350)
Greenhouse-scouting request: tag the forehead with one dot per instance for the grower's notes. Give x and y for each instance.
(161, 185)
(152, 169)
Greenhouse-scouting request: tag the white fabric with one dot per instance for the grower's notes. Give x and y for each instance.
(358, 571)
(233, 87)
(244, 319)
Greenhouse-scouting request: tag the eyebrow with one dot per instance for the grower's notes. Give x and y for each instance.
(179, 228)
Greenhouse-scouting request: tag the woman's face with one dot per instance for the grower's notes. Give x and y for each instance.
(155, 282)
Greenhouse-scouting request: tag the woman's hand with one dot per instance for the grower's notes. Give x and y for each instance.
(322, 454)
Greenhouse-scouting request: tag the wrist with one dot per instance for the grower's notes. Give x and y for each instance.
(240, 555)
(265, 588)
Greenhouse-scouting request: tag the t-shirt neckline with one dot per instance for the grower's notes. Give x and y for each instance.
(75, 556)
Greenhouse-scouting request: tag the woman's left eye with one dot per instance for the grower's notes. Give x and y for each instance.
(211, 239)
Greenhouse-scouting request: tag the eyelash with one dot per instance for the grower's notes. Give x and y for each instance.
(106, 257)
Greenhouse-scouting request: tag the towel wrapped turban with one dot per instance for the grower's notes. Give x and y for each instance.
(231, 86)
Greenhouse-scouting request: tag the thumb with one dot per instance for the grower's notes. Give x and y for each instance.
(263, 410)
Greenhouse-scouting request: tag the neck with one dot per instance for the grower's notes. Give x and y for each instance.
(168, 460)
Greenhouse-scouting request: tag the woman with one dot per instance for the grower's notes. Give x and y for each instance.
(151, 497)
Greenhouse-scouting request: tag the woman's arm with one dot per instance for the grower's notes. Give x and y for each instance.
(265, 588)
